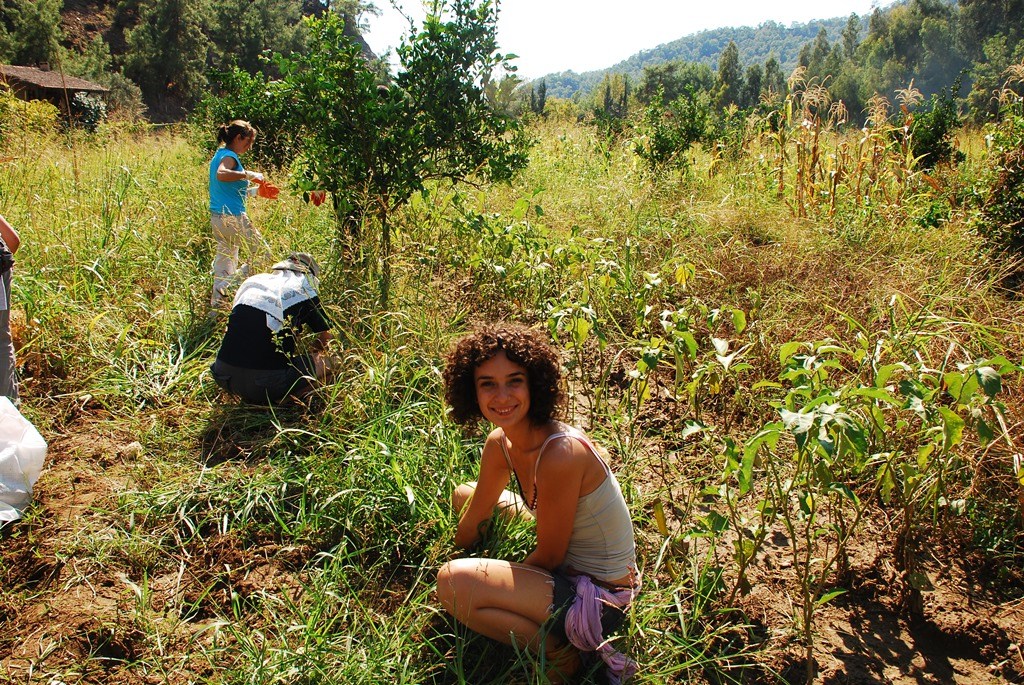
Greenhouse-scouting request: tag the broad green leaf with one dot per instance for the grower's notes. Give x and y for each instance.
(712, 522)
(744, 550)
(880, 394)
(924, 455)
(985, 432)
(806, 500)
(886, 483)
(954, 382)
(739, 320)
(952, 428)
(519, 210)
(746, 473)
(844, 490)
(688, 342)
(787, 350)
(885, 372)
(990, 380)
(580, 330)
(769, 436)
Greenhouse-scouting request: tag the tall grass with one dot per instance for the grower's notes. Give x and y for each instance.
(279, 546)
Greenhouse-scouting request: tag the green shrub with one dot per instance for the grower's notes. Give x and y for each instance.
(1002, 216)
(669, 131)
(931, 134)
(18, 115)
(88, 111)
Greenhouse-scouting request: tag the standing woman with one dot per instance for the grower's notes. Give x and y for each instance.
(229, 187)
(573, 589)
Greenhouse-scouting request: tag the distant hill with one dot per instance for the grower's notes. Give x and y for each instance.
(755, 45)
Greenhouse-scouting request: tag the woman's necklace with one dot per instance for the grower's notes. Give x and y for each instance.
(532, 503)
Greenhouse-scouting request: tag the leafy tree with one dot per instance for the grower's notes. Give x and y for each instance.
(1001, 222)
(672, 79)
(167, 53)
(988, 76)
(814, 55)
(730, 77)
(614, 99)
(373, 146)
(124, 99)
(237, 94)
(752, 85)
(30, 31)
(538, 99)
(851, 36)
(981, 20)
(774, 80)
(912, 41)
(242, 30)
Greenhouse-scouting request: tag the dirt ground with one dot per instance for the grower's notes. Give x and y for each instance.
(67, 608)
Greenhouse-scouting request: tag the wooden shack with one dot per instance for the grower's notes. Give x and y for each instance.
(34, 83)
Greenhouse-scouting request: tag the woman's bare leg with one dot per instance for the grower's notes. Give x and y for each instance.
(507, 602)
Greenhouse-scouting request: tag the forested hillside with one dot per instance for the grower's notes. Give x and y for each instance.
(160, 53)
(756, 44)
(162, 56)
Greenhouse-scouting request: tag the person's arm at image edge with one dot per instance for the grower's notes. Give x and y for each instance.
(9, 235)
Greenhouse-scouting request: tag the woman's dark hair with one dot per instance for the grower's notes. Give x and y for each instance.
(228, 132)
(523, 346)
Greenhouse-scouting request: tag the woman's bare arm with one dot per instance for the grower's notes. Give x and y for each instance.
(9, 235)
(494, 476)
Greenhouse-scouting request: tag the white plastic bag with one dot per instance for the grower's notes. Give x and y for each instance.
(22, 451)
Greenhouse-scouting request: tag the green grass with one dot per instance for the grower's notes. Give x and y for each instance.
(253, 546)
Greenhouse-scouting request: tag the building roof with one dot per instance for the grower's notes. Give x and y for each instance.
(48, 79)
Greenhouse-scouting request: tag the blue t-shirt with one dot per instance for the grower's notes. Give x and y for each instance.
(227, 197)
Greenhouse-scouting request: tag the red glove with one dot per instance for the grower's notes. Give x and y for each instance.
(268, 190)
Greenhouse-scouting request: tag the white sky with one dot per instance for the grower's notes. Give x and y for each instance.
(583, 35)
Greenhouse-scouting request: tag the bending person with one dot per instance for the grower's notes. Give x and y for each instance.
(257, 360)
(572, 590)
(229, 188)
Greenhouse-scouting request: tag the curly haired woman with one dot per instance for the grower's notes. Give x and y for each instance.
(572, 590)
